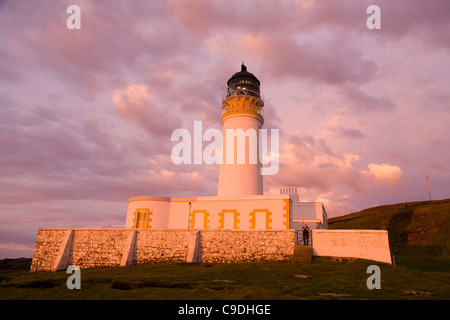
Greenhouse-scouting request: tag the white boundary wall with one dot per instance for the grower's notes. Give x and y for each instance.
(363, 244)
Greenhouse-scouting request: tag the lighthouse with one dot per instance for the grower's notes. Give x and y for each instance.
(242, 118)
(239, 224)
(240, 202)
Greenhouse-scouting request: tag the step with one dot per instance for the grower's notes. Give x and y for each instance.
(302, 254)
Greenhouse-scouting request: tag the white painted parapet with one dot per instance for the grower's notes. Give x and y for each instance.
(363, 244)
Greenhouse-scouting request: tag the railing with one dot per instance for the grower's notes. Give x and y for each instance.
(299, 238)
(237, 108)
(255, 107)
(233, 92)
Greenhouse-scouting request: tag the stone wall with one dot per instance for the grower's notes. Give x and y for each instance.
(47, 248)
(98, 247)
(241, 246)
(158, 246)
(363, 244)
(56, 249)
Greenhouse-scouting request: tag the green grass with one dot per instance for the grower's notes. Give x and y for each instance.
(419, 239)
(254, 281)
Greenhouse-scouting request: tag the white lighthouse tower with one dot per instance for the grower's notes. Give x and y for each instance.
(242, 117)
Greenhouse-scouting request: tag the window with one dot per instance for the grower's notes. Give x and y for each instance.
(142, 218)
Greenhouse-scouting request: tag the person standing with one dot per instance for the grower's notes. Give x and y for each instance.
(305, 235)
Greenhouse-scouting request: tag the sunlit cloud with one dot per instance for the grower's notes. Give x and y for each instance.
(385, 173)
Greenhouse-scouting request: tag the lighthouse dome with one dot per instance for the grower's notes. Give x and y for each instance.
(243, 83)
(244, 77)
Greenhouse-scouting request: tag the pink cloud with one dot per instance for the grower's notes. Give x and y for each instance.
(323, 173)
(384, 173)
(361, 101)
(135, 103)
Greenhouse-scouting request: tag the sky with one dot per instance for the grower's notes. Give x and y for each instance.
(86, 115)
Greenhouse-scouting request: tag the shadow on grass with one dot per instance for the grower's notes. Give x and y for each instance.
(130, 285)
(398, 226)
(37, 284)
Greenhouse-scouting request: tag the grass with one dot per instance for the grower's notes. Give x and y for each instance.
(253, 281)
(419, 238)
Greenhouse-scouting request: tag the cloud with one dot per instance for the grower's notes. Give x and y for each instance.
(415, 18)
(310, 163)
(135, 104)
(113, 43)
(315, 168)
(283, 57)
(202, 17)
(361, 101)
(384, 173)
(350, 133)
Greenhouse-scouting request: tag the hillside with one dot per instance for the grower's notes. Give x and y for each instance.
(419, 232)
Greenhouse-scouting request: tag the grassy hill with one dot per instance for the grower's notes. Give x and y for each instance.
(419, 232)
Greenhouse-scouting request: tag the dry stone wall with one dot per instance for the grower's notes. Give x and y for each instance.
(91, 248)
(47, 248)
(241, 246)
(98, 247)
(159, 246)
(56, 249)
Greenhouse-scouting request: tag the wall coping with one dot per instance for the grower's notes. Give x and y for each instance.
(112, 229)
(168, 230)
(310, 203)
(349, 231)
(211, 198)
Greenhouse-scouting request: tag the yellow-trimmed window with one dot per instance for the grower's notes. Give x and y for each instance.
(142, 218)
